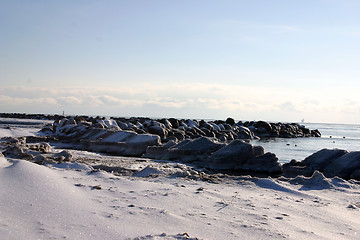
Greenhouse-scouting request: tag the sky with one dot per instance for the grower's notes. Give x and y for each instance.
(278, 60)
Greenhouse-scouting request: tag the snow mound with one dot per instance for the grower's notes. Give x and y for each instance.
(166, 170)
(4, 162)
(71, 165)
(318, 181)
(45, 203)
(273, 184)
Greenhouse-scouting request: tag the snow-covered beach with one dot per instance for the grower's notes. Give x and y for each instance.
(97, 196)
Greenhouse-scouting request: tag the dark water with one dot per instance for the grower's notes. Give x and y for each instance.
(341, 136)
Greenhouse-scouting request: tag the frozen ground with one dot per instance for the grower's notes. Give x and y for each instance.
(144, 199)
(20, 127)
(72, 201)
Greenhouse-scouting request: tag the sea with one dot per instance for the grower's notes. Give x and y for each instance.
(340, 136)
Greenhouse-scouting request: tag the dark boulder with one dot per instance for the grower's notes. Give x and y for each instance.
(331, 162)
(322, 158)
(264, 125)
(193, 150)
(160, 131)
(344, 166)
(230, 121)
(174, 122)
(239, 155)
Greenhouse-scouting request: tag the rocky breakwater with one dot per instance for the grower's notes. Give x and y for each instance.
(178, 130)
(212, 144)
(330, 162)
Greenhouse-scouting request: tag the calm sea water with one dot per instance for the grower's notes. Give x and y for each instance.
(341, 136)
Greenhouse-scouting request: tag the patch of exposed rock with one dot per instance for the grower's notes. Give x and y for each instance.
(208, 152)
(331, 162)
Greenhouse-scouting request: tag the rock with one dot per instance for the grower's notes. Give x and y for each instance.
(177, 133)
(227, 126)
(264, 125)
(344, 166)
(192, 123)
(160, 131)
(17, 151)
(19, 141)
(140, 131)
(63, 156)
(174, 122)
(111, 124)
(331, 162)
(215, 126)
(47, 129)
(40, 147)
(322, 158)
(123, 125)
(230, 121)
(266, 163)
(208, 132)
(166, 122)
(355, 174)
(192, 150)
(98, 125)
(206, 125)
(124, 143)
(239, 155)
(262, 132)
(315, 133)
(41, 160)
(293, 169)
(244, 133)
(234, 155)
(157, 152)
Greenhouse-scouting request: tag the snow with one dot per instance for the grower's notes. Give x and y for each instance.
(160, 201)
(72, 202)
(13, 127)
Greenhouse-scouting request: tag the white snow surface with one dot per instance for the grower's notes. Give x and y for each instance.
(73, 202)
(14, 127)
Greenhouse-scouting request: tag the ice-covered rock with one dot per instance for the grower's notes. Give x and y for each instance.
(167, 170)
(322, 158)
(191, 150)
(239, 155)
(17, 151)
(159, 130)
(244, 133)
(111, 123)
(157, 152)
(331, 162)
(343, 166)
(125, 143)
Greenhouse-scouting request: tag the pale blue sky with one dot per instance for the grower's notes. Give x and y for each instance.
(251, 60)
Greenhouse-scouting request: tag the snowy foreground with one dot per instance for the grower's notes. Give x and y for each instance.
(70, 201)
(164, 200)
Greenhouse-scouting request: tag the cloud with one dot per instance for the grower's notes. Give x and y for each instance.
(288, 106)
(196, 100)
(25, 101)
(72, 100)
